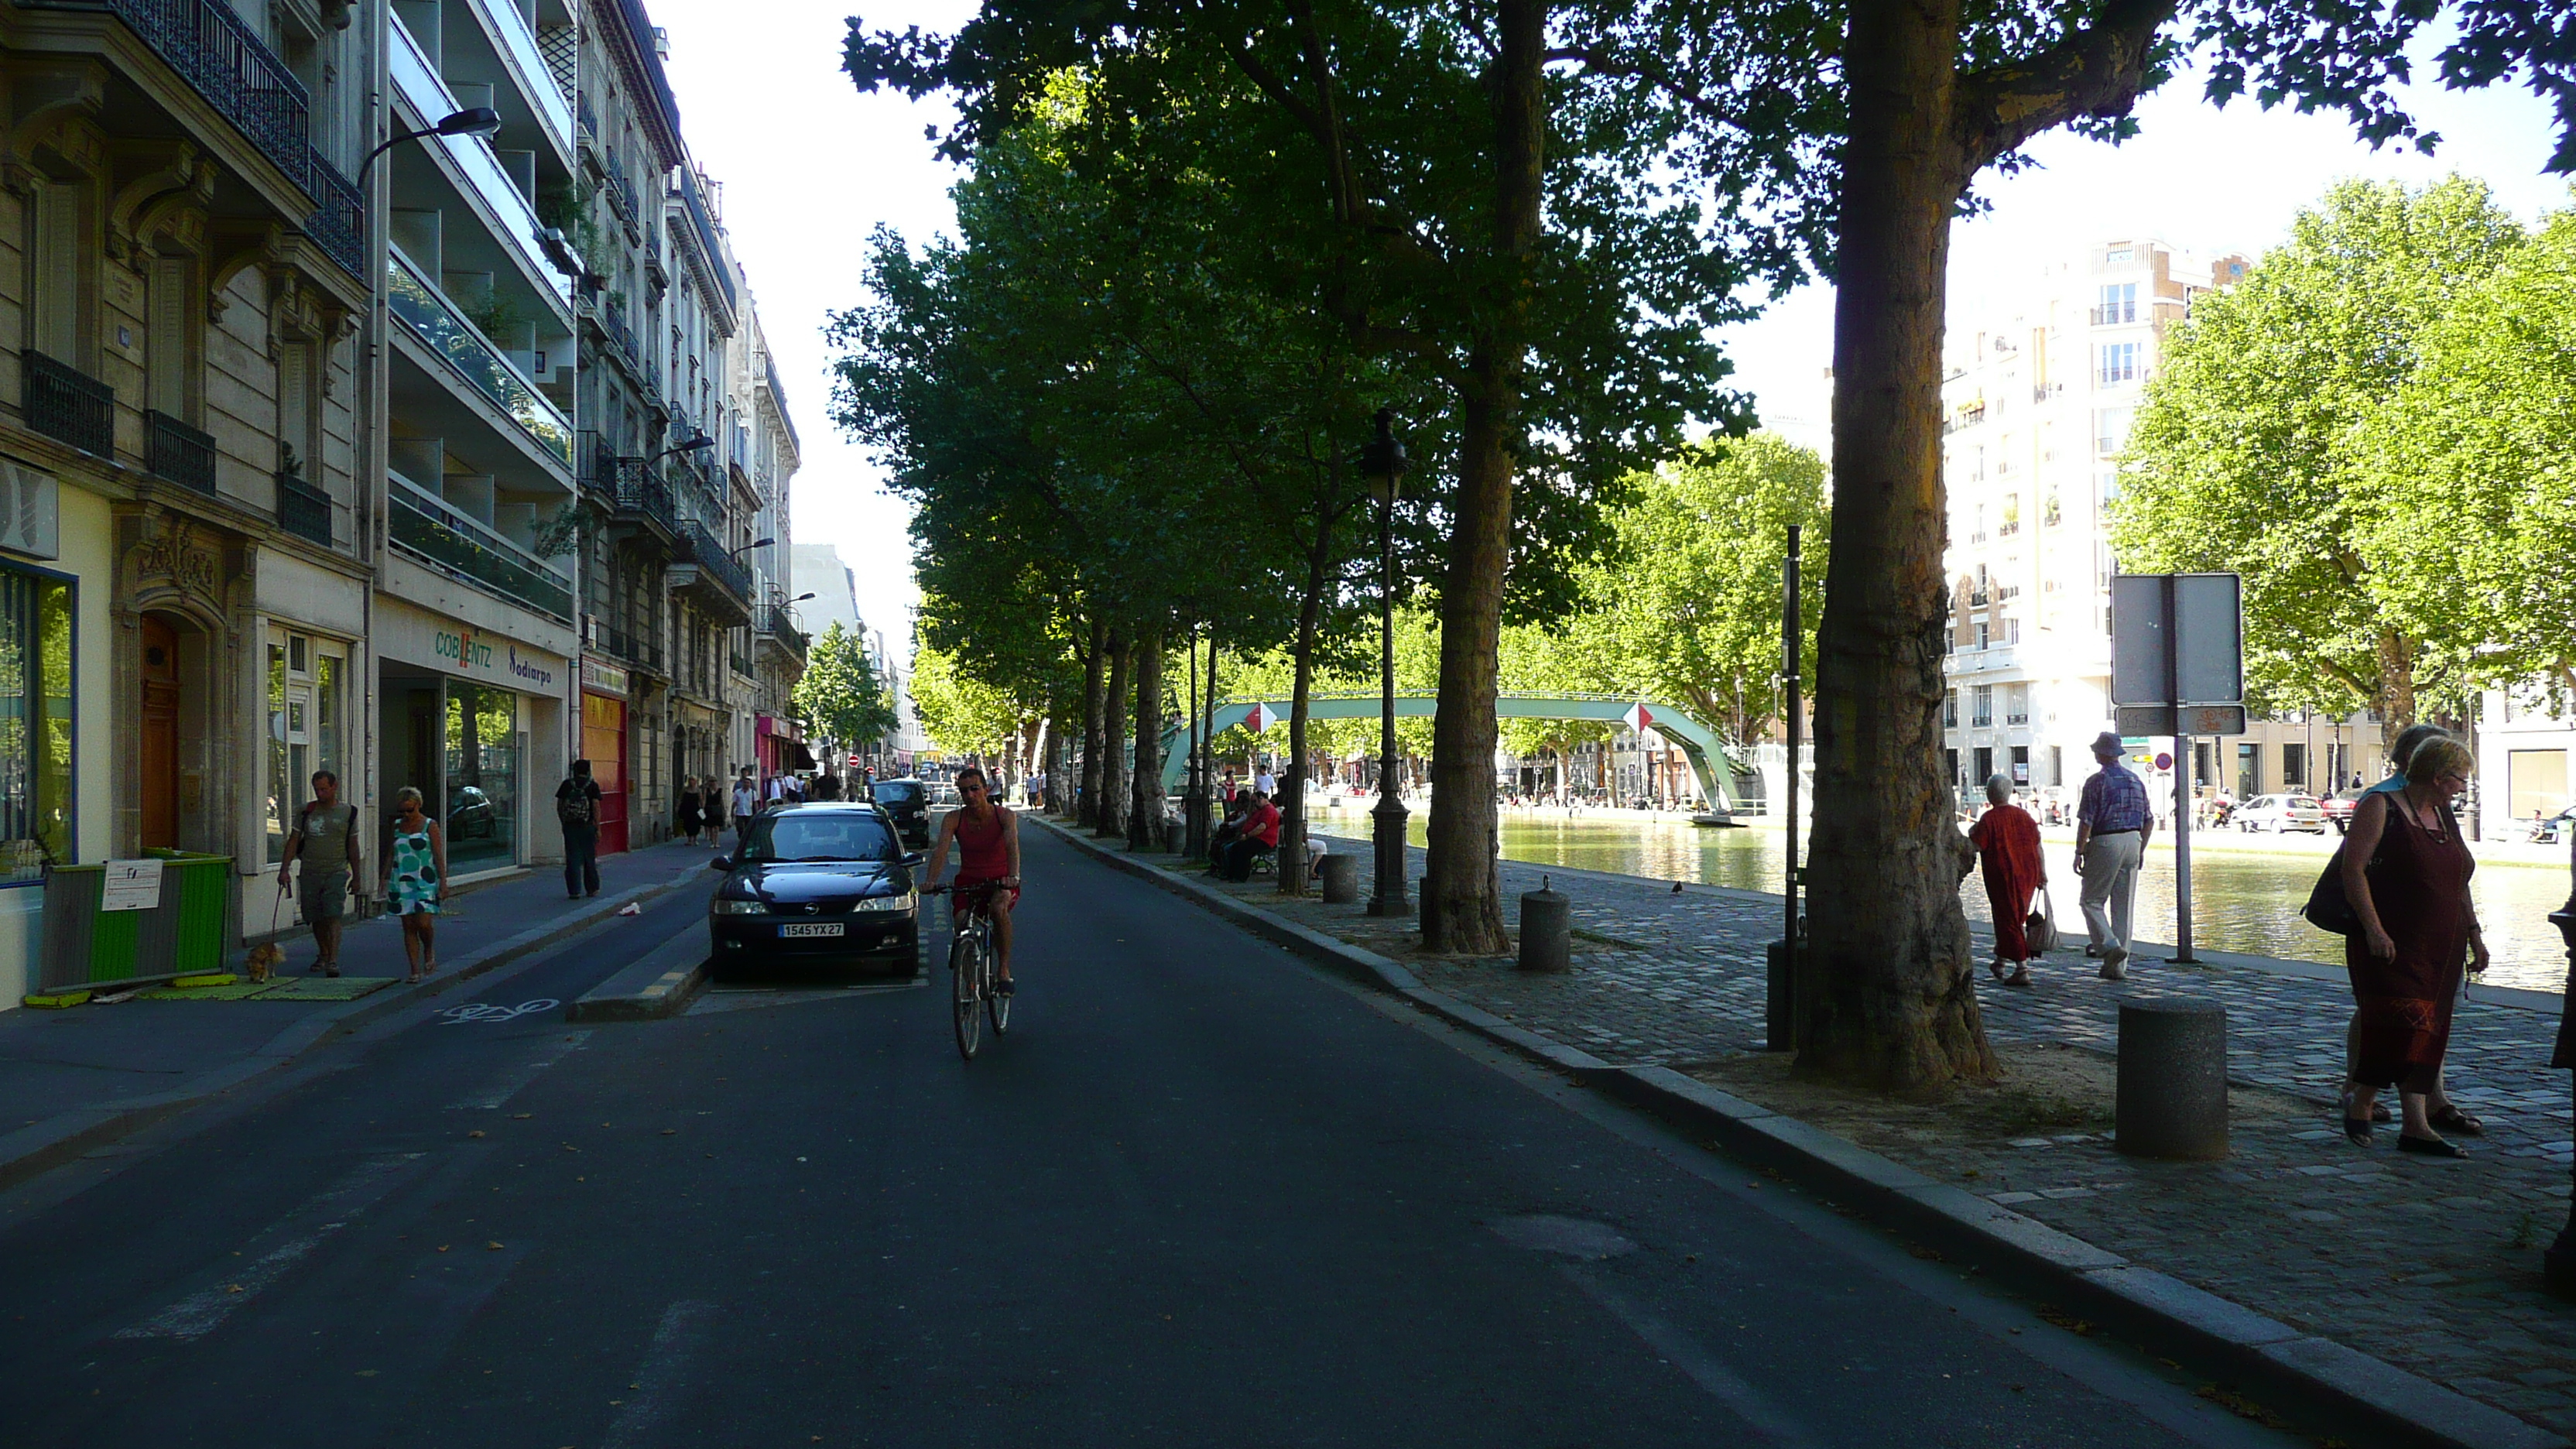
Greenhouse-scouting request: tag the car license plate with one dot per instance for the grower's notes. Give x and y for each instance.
(812, 928)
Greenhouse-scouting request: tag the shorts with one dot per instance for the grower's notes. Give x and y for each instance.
(322, 895)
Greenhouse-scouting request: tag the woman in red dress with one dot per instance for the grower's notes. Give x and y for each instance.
(2406, 872)
(2007, 842)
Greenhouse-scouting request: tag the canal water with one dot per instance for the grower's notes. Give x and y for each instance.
(2241, 900)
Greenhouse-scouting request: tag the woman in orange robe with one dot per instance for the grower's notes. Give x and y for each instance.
(2008, 854)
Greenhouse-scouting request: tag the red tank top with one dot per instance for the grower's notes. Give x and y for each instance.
(979, 849)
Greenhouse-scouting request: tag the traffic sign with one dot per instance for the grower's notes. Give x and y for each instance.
(1638, 717)
(1260, 717)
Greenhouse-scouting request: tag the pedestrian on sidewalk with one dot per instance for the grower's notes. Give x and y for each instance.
(746, 798)
(2376, 801)
(2406, 872)
(693, 808)
(2112, 826)
(325, 842)
(416, 881)
(577, 810)
(2008, 854)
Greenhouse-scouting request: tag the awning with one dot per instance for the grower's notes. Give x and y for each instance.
(794, 755)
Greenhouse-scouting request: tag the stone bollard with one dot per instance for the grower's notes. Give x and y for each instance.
(1341, 879)
(1547, 930)
(2173, 1078)
(1172, 830)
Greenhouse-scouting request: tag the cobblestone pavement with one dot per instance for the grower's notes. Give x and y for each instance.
(2427, 1264)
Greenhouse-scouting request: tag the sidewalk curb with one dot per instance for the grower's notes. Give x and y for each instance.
(2260, 1351)
(660, 984)
(33, 1150)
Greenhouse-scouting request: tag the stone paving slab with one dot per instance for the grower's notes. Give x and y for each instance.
(2433, 1266)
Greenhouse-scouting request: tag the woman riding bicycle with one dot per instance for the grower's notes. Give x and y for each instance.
(988, 853)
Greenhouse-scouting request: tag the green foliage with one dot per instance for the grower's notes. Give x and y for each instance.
(2251, 453)
(841, 692)
(1690, 612)
(2467, 476)
(959, 712)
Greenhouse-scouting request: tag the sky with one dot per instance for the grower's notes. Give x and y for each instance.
(809, 168)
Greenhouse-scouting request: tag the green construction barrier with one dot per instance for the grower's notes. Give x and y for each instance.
(190, 931)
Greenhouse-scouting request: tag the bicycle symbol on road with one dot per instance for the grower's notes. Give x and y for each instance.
(486, 1011)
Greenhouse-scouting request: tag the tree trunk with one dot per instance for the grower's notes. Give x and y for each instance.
(1888, 971)
(1052, 768)
(1145, 801)
(2396, 693)
(1114, 715)
(1194, 811)
(1462, 908)
(1094, 728)
(1292, 781)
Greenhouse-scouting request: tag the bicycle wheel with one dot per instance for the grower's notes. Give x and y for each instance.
(997, 1007)
(965, 985)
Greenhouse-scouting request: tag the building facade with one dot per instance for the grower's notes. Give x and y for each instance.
(2038, 397)
(323, 453)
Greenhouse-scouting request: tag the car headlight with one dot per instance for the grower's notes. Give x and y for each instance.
(886, 903)
(740, 908)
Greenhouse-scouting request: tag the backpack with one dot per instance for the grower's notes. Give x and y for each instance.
(574, 809)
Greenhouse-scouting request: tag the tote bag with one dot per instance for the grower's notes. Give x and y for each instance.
(2040, 931)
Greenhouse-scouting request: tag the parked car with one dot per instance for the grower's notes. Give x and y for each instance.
(826, 881)
(2339, 807)
(907, 802)
(2276, 813)
(470, 815)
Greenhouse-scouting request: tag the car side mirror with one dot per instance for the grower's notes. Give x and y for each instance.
(912, 861)
(721, 862)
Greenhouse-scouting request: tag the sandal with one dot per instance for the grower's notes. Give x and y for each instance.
(2358, 1129)
(2451, 1119)
(1996, 967)
(2020, 979)
(2429, 1146)
(2378, 1108)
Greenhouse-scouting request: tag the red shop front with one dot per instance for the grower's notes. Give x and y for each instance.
(603, 743)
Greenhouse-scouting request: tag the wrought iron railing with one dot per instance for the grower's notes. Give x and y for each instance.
(641, 496)
(339, 225)
(63, 402)
(423, 524)
(179, 452)
(635, 646)
(612, 322)
(705, 223)
(210, 47)
(428, 312)
(741, 666)
(303, 510)
(710, 556)
(782, 627)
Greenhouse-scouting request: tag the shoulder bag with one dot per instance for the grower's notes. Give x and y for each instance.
(2040, 931)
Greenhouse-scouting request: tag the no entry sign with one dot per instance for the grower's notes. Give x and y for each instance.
(1638, 717)
(1260, 717)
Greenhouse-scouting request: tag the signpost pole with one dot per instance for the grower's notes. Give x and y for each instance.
(2182, 777)
(1782, 1024)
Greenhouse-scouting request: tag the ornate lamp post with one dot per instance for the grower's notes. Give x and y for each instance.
(1383, 459)
(2559, 1264)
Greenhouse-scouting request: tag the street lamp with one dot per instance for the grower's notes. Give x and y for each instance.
(1383, 459)
(472, 121)
(696, 442)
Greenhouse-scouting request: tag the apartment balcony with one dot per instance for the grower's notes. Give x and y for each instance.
(631, 646)
(1982, 661)
(2122, 315)
(179, 452)
(635, 496)
(514, 46)
(67, 404)
(703, 223)
(423, 525)
(720, 582)
(339, 227)
(778, 631)
(2009, 527)
(741, 665)
(1957, 421)
(503, 208)
(303, 510)
(474, 364)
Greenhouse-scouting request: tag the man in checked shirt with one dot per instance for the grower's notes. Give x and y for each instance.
(2111, 829)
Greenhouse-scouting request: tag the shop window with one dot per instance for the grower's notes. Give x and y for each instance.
(278, 800)
(35, 723)
(482, 778)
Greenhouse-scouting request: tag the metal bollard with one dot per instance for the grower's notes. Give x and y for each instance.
(1547, 930)
(1341, 879)
(1172, 836)
(2173, 1079)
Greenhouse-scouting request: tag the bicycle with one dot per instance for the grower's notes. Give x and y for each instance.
(972, 999)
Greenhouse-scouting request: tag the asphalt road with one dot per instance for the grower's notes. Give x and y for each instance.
(1201, 1194)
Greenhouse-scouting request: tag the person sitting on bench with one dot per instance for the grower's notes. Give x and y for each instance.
(1258, 834)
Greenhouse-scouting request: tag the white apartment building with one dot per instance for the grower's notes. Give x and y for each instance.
(2038, 395)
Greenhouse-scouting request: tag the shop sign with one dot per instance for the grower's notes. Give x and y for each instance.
(605, 678)
(477, 653)
(30, 511)
(132, 885)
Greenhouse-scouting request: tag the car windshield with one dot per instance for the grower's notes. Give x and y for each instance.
(836, 836)
(896, 791)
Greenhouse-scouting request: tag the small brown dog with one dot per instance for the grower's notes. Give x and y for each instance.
(264, 960)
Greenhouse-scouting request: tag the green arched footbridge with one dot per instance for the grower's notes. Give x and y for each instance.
(1697, 742)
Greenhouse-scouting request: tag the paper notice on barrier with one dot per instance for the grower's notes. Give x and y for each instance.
(132, 885)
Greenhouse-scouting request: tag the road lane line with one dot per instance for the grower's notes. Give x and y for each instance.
(664, 1376)
(515, 1080)
(301, 1231)
(1769, 1422)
